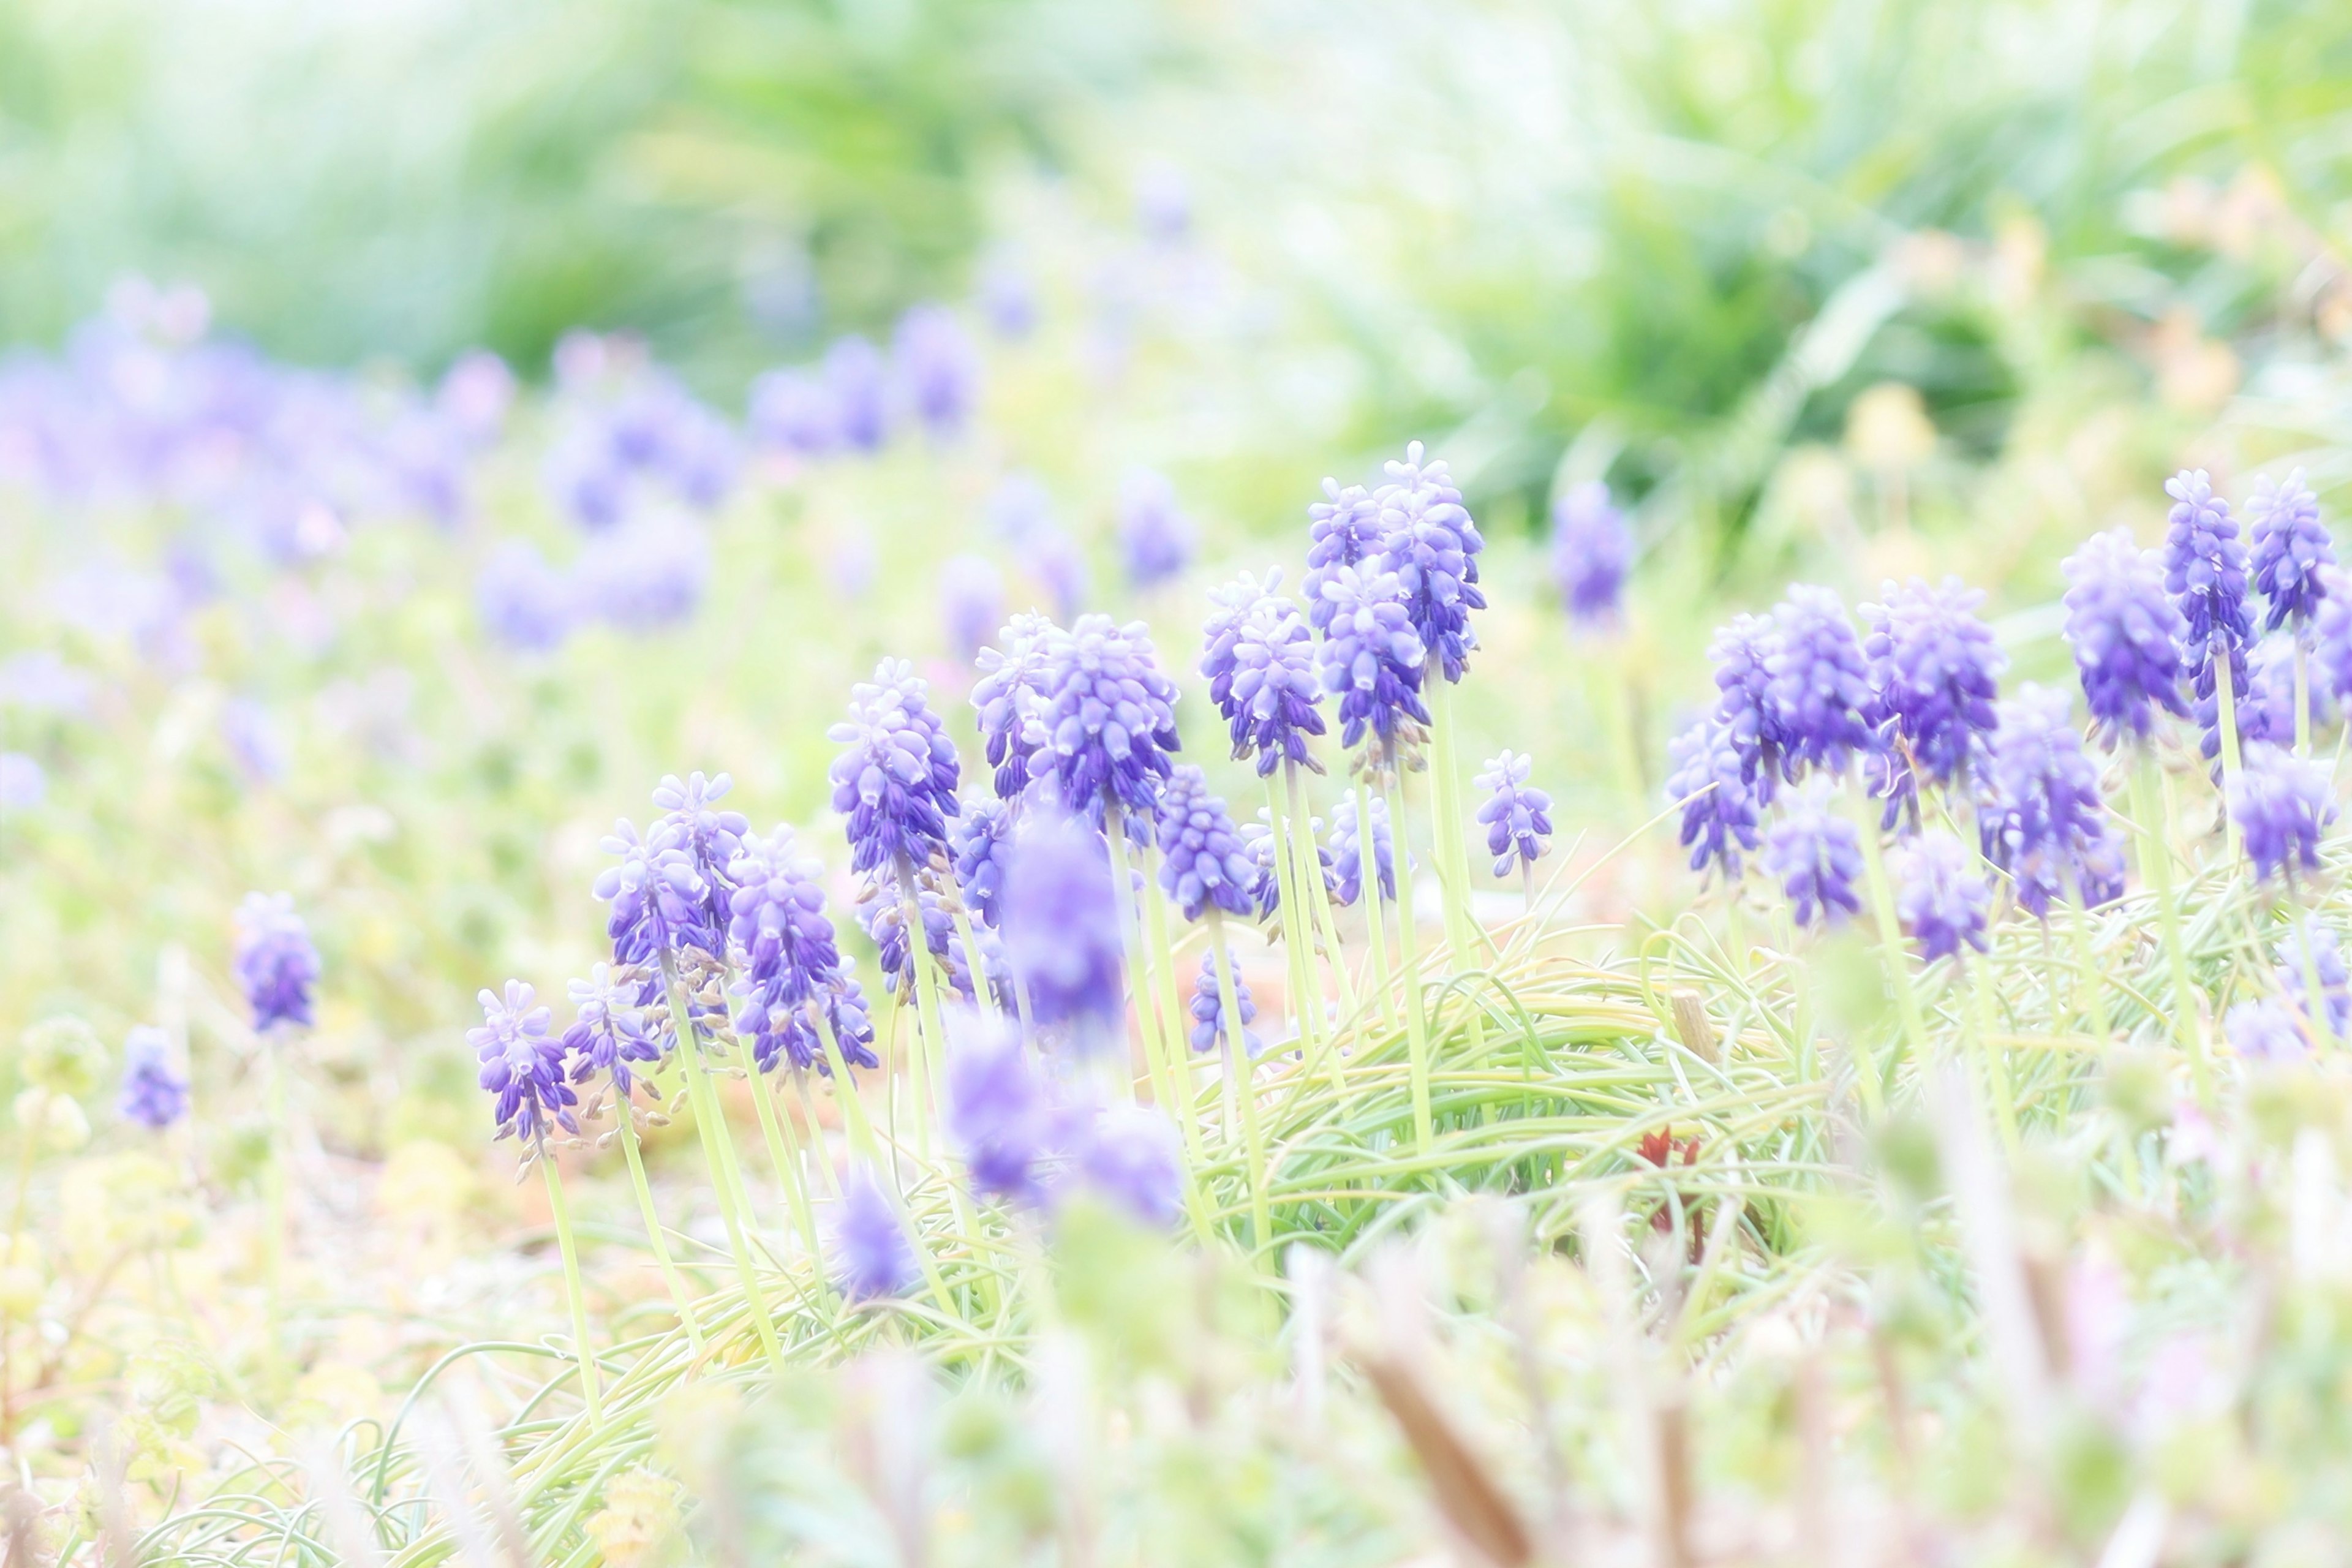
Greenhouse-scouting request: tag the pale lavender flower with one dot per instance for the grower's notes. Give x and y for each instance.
(1129, 1157)
(895, 780)
(1592, 548)
(1935, 671)
(1820, 688)
(155, 1090)
(2261, 1031)
(1154, 535)
(1109, 717)
(2042, 821)
(659, 903)
(1011, 698)
(871, 1255)
(1344, 857)
(971, 603)
(2205, 572)
(1203, 861)
(276, 964)
(1747, 718)
(998, 1117)
(1343, 529)
(1815, 855)
(979, 841)
(1709, 782)
(522, 1067)
(609, 1032)
(1432, 546)
(1373, 661)
(860, 381)
(1518, 818)
(938, 368)
(1260, 664)
(2335, 982)
(2281, 803)
(523, 602)
(1208, 1008)
(1061, 931)
(2292, 553)
(794, 411)
(1940, 895)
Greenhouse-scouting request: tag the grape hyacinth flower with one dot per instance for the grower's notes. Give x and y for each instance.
(1709, 782)
(1820, 688)
(2261, 1031)
(1129, 1157)
(1592, 548)
(1430, 543)
(2042, 820)
(978, 841)
(154, 1092)
(1202, 862)
(872, 1258)
(2292, 551)
(1518, 818)
(1062, 930)
(1343, 529)
(709, 838)
(895, 780)
(971, 603)
(659, 904)
(998, 1117)
(938, 368)
(2331, 637)
(608, 1031)
(2205, 572)
(276, 964)
(794, 411)
(1373, 661)
(882, 911)
(1058, 564)
(1111, 718)
(1940, 895)
(1209, 1014)
(2267, 708)
(2325, 964)
(522, 601)
(1934, 670)
(1260, 665)
(522, 1067)
(1010, 697)
(791, 958)
(1345, 857)
(1747, 718)
(2126, 634)
(1815, 855)
(860, 384)
(2281, 805)
(1258, 841)
(1154, 535)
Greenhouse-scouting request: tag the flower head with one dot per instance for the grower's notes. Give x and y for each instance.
(2281, 803)
(1258, 843)
(1202, 860)
(1154, 534)
(2042, 821)
(1935, 670)
(609, 1030)
(2334, 1011)
(871, 1255)
(860, 381)
(2126, 634)
(1430, 543)
(1373, 661)
(1208, 1032)
(1710, 783)
(895, 780)
(1518, 818)
(979, 840)
(938, 369)
(522, 1067)
(1821, 687)
(1747, 718)
(1940, 895)
(154, 1090)
(2331, 642)
(998, 1116)
(1061, 931)
(1011, 698)
(2261, 1031)
(2267, 708)
(794, 411)
(2204, 565)
(659, 903)
(2292, 551)
(276, 964)
(1343, 529)
(971, 603)
(709, 838)
(882, 911)
(522, 601)
(1815, 855)
(1129, 1157)
(1260, 665)
(1590, 550)
(1345, 856)
(1109, 717)
(790, 955)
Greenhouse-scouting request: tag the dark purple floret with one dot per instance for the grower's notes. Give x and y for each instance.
(2335, 981)
(860, 384)
(979, 841)
(871, 1255)
(1373, 661)
(1011, 698)
(1209, 1011)
(2281, 803)
(1061, 931)
(1154, 535)
(1518, 818)
(1345, 856)
(1430, 542)
(523, 602)
(2292, 551)
(895, 780)
(1260, 665)
(522, 1067)
(608, 1031)
(2126, 634)
(659, 904)
(997, 1113)
(1815, 855)
(154, 1092)
(1934, 670)
(2042, 821)
(1719, 822)
(276, 964)
(1821, 687)
(1747, 718)
(1111, 718)
(938, 368)
(1202, 860)
(1343, 529)
(2261, 1031)
(1591, 549)
(1940, 894)
(1130, 1158)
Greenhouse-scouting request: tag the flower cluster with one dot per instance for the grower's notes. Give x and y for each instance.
(2325, 964)
(1345, 858)
(2126, 634)
(1110, 718)
(1208, 1008)
(1429, 542)
(522, 1067)
(2292, 551)
(2281, 803)
(1010, 696)
(1343, 529)
(1518, 818)
(155, 1090)
(610, 1032)
(1935, 671)
(1591, 549)
(1747, 718)
(2042, 821)
(660, 902)
(796, 981)
(1373, 661)
(276, 964)
(1819, 692)
(1710, 783)
(1202, 860)
(1260, 666)
(1025, 1144)
(2205, 572)
(1940, 895)
(1154, 534)
(895, 780)
(1815, 855)
(977, 843)
(1061, 931)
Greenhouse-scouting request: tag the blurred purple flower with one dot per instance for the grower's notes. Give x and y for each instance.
(1935, 671)
(1129, 1157)
(938, 369)
(997, 1114)
(154, 1090)
(1820, 688)
(794, 411)
(871, 1255)
(608, 1028)
(2328, 962)
(523, 602)
(1591, 549)
(1208, 1009)
(1709, 783)
(276, 964)
(1154, 535)
(1940, 895)
(2282, 803)
(1814, 855)
(2042, 820)
(2261, 1031)
(23, 785)
(860, 383)
(1061, 926)
(971, 603)
(2126, 634)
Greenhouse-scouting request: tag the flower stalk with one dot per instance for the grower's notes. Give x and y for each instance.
(582, 1351)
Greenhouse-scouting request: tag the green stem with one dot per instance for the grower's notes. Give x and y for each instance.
(654, 1231)
(1454, 855)
(1892, 951)
(1408, 949)
(1306, 995)
(2155, 814)
(1307, 870)
(2315, 1010)
(929, 1057)
(1996, 1062)
(1171, 1085)
(824, 1162)
(273, 1240)
(845, 1090)
(581, 1349)
(1374, 920)
(1130, 936)
(1237, 1058)
(709, 1122)
(2094, 984)
(787, 1163)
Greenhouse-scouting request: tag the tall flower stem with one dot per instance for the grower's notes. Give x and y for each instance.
(2093, 993)
(1374, 921)
(1306, 995)
(273, 1238)
(1238, 1063)
(2155, 855)
(654, 1231)
(931, 1046)
(1307, 871)
(983, 993)
(1172, 1085)
(1451, 847)
(581, 1348)
(862, 1142)
(1996, 1062)
(1896, 959)
(1409, 950)
(2320, 1015)
(1130, 935)
(2226, 690)
(786, 1160)
(825, 1178)
(718, 1149)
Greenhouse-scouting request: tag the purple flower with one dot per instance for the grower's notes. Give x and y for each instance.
(1747, 720)
(522, 1067)
(276, 964)
(1940, 895)
(1592, 548)
(2042, 821)
(1518, 818)
(1815, 855)
(23, 783)
(609, 1029)
(2267, 708)
(1430, 542)
(860, 384)
(2205, 572)
(1129, 1157)
(710, 838)
(1020, 510)
(871, 1255)
(1260, 664)
(2335, 982)
(2292, 551)
(1820, 688)
(1257, 841)
(979, 840)
(1208, 1032)
(1343, 529)
(1345, 857)
(2281, 803)
(882, 911)
(1373, 661)
(2127, 636)
(1154, 534)
(1203, 861)
(154, 1092)
(791, 958)
(895, 780)
(1936, 671)
(2261, 1031)
(1709, 782)
(1059, 565)
(659, 904)
(1007, 299)
(1011, 698)
(1109, 717)
(938, 366)
(794, 411)
(971, 603)
(647, 577)
(1061, 929)
(523, 602)
(2331, 642)
(998, 1117)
